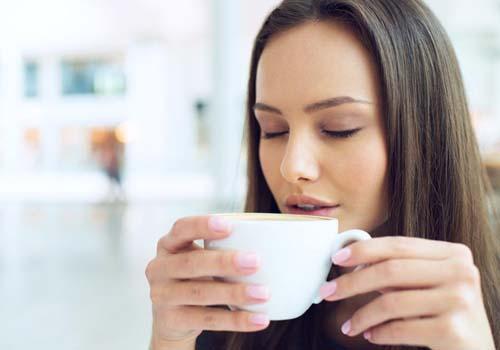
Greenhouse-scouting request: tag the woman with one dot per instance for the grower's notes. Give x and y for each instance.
(358, 106)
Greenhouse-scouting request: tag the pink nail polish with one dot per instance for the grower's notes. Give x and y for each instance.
(219, 224)
(341, 256)
(258, 292)
(346, 327)
(259, 319)
(247, 260)
(327, 289)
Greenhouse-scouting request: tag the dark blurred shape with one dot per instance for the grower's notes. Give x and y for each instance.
(110, 151)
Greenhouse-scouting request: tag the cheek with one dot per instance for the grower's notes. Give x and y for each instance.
(365, 169)
(360, 176)
(270, 161)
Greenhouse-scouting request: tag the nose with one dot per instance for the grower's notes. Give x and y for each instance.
(299, 162)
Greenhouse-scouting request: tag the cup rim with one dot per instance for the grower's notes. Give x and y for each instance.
(276, 215)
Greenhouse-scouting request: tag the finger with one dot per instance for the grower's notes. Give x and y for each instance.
(395, 247)
(416, 332)
(214, 319)
(186, 230)
(209, 293)
(188, 247)
(396, 273)
(399, 305)
(157, 269)
(201, 263)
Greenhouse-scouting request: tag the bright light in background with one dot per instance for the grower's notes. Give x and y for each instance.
(125, 132)
(48, 24)
(30, 23)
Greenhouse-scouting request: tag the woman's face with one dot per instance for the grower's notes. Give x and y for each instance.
(317, 91)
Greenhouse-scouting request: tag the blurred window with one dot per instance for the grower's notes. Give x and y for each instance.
(31, 74)
(92, 77)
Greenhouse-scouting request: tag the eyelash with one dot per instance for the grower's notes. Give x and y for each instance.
(334, 134)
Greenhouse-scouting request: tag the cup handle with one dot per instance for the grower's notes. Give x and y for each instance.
(346, 237)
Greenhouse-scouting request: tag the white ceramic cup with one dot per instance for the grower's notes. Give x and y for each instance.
(295, 253)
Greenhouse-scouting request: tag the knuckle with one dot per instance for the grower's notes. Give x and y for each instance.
(149, 271)
(162, 243)
(156, 295)
(167, 294)
(391, 269)
(170, 263)
(466, 271)
(196, 292)
(462, 297)
(159, 246)
(176, 227)
(400, 245)
(463, 252)
(210, 320)
(388, 303)
(188, 264)
(472, 275)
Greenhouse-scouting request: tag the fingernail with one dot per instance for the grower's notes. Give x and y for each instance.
(346, 327)
(341, 256)
(219, 224)
(259, 319)
(247, 260)
(327, 289)
(258, 292)
(367, 335)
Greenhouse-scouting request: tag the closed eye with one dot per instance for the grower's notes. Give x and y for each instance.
(270, 135)
(342, 133)
(335, 134)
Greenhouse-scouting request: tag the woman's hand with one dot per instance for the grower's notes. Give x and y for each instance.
(181, 283)
(430, 294)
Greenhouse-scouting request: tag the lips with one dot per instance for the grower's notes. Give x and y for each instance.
(321, 207)
(323, 211)
(295, 200)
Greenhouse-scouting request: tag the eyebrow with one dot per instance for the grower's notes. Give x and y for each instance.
(313, 107)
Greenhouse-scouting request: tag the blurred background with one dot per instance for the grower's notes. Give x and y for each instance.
(119, 116)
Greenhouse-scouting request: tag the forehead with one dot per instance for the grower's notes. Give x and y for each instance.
(314, 61)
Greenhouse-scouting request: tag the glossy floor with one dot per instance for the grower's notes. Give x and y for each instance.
(72, 275)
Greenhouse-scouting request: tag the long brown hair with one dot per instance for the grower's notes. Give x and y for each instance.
(437, 186)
